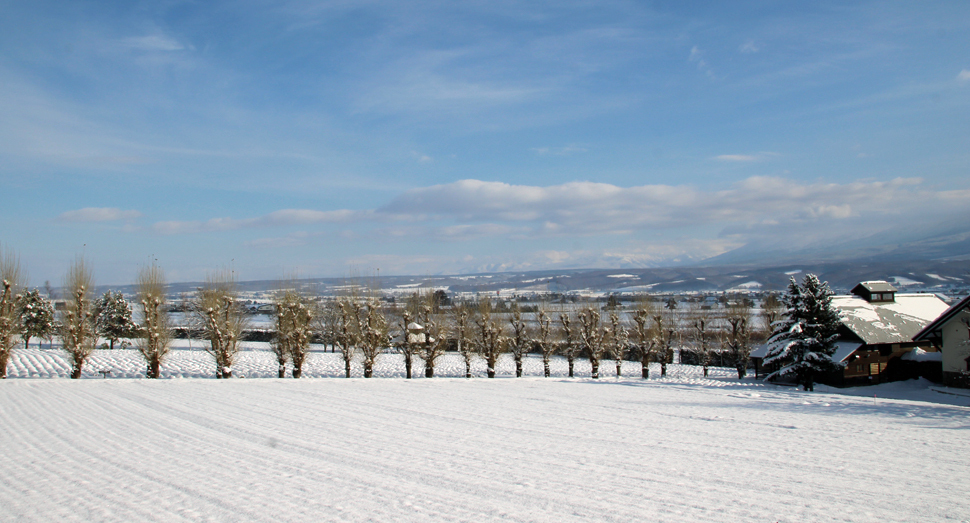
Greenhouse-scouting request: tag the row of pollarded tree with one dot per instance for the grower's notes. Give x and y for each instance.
(24, 313)
(363, 328)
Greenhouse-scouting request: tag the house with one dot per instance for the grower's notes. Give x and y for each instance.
(877, 330)
(951, 333)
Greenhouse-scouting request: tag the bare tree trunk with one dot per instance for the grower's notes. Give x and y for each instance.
(407, 366)
(518, 366)
(428, 370)
(4, 357)
(619, 363)
(468, 368)
(368, 370)
(545, 366)
(645, 367)
(347, 367)
(705, 370)
(154, 369)
(491, 366)
(570, 361)
(663, 369)
(282, 371)
(595, 364)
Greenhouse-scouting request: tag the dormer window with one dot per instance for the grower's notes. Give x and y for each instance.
(875, 291)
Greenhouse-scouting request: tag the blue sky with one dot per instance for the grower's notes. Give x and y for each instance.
(336, 138)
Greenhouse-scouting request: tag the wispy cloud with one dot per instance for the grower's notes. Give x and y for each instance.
(560, 151)
(746, 157)
(153, 43)
(964, 76)
(697, 56)
(284, 217)
(749, 47)
(98, 214)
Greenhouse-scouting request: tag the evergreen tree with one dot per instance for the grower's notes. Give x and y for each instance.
(113, 318)
(36, 316)
(804, 342)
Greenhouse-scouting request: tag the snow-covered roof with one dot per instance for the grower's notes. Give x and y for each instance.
(919, 354)
(760, 351)
(889, 322)
(844, 349)
(877, 286)
(941, 319)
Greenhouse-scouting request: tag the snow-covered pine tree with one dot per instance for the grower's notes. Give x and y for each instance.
(112, 318)
(36, 316)
(804, 342)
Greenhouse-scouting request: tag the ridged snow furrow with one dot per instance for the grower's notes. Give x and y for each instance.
(471, 450)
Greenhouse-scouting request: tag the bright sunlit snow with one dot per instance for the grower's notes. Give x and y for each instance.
(448, 449)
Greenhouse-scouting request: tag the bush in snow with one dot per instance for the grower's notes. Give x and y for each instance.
(222, 319)
(518, 341)
(462, 341)
(156, 333)
(644, 344)
(78, 333)
(737, 339)
(36, 316)
(112, 318)
(13, 281)
(543, 339)
(804, 342)
(570, 348)
(491, 343)
(591, 336)
(294, 317)
(617, 341)
(697, 329)
(432, 337)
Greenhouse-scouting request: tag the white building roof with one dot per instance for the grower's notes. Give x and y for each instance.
(889, 322)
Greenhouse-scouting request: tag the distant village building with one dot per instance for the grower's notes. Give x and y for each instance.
(878, 329)
(951, 332)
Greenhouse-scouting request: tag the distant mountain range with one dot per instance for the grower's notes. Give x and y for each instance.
(939, 262)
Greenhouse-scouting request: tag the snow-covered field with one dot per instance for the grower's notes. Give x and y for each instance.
(449, 449)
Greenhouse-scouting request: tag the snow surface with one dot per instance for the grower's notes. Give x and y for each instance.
(904, 281)
(683, 449)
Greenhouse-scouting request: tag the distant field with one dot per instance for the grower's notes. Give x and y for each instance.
(684, 449)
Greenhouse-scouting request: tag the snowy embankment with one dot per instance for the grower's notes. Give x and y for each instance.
(450, 449)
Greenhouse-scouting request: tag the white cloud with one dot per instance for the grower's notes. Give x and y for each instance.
(707, 222)
(283, 217)
(697, 56)
(580, 208)
(749, 47)
(964, 76)
(98, 214)
(745, 157)
(559, 151)
(153, 43)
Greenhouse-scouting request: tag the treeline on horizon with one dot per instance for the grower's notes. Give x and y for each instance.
(362, 327)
